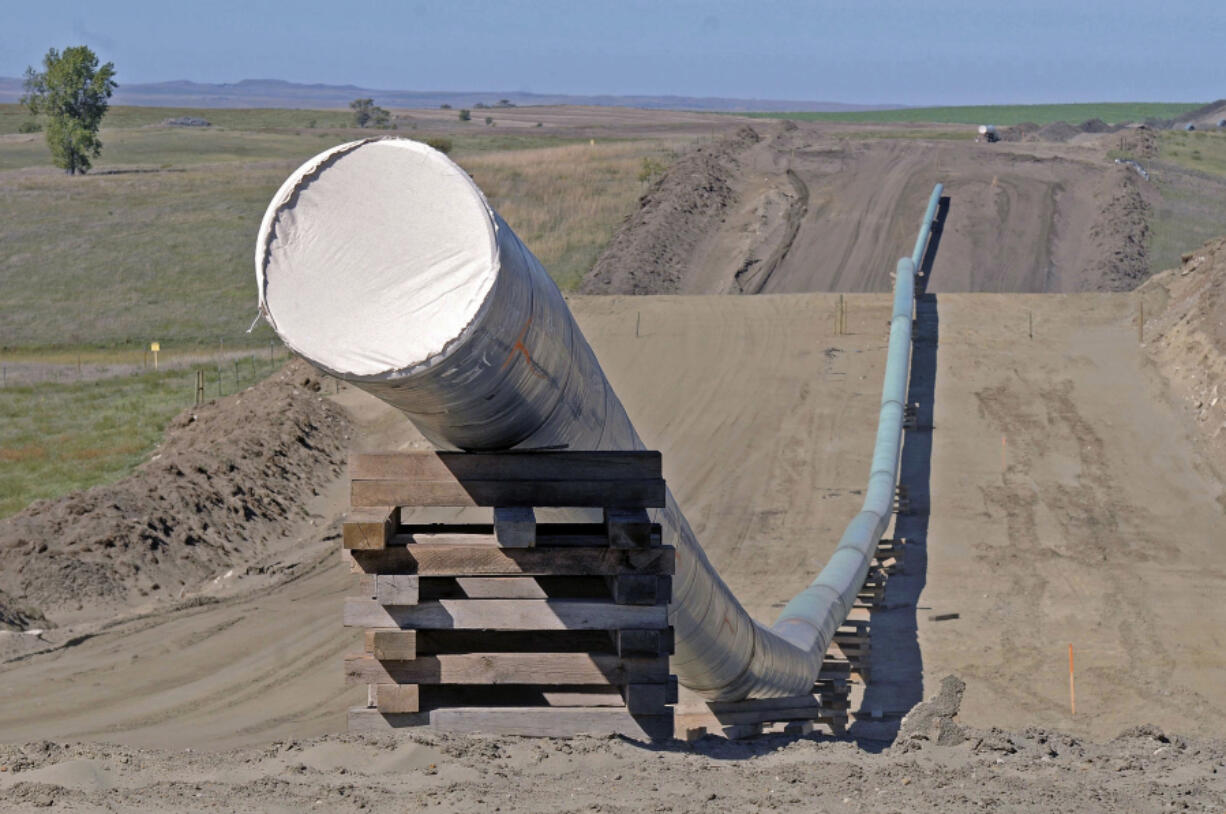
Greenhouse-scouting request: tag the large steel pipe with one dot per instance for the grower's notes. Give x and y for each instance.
(382, 263)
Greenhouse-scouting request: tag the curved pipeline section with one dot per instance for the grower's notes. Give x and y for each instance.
(382, 263)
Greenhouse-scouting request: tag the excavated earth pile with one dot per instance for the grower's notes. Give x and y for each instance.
(1186, 337)
(650, 252)
(227, 478)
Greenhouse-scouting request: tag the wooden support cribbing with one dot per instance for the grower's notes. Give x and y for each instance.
(630, 528)
(505, 614)
(394, 698)
(515, 526)
(575, 479)
(514, 627)
(369, 529)
(452, 560)
(508, 668)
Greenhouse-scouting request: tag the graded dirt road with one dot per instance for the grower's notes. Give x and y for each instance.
(781, 208)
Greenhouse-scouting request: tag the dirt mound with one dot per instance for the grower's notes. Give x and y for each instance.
(1119, 235)
(1097, 126)
(1024, 131)
(1211, 113)
(1185, 334)
(648, 254)
(225, 480)
(1057, 131)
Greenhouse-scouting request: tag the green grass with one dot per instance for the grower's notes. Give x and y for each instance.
(56, 438)
(1191, 175)
(1005, 115)
(1199, 150)
(11, 116)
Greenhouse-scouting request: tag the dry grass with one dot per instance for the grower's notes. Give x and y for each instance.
(566, 202)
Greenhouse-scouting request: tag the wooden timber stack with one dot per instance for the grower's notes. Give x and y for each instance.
(514, 627)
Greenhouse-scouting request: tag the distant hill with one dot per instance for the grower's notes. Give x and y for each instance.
(279, 93)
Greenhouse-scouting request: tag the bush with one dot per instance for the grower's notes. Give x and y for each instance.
(443, 145)
(489, 121)
(29, 127)
(466, 115)
(444, 106)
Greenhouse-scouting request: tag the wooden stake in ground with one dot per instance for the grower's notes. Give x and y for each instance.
(1003, 447)
(1072, 695)
(1141, 321)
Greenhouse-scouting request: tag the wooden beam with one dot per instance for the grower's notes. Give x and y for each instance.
(570, 493)
(505, 614)
(507, 466)
(395, 698)
(391, 589)
(546, 722)
(392, 644)
(461, 560)
(507, 668)
(515, 526)
(630, 528)
(369, 529)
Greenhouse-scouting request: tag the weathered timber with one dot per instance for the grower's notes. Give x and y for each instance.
(395, 698)
(651, 699)
(392, 645)
(369, 529)
(507, 668)
(644, 642)
(391, 589)
(630, 528)
(515, 526)
(571, 493)
(548, 535)
(640, 589)
(545, 722)
(507, 466)
(505, 614)
(457, 560)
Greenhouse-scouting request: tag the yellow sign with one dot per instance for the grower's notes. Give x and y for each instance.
(155, 347)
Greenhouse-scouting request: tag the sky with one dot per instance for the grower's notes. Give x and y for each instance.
(854, 51)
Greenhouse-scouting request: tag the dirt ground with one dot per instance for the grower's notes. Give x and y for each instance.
(1058, 533)
(806, 208)
(1067, 478)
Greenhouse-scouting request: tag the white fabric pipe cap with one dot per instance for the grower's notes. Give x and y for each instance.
(374, 256)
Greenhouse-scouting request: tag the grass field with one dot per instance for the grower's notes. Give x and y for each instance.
(1005, 115)
(156, 242)
(1191, 175)
(58, 437)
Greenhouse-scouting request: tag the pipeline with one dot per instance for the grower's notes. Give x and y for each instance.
(381, 262)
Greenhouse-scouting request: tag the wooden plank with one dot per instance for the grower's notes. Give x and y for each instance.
(644, 642)
(395, 698)
(629, 528)
(640, 589)
(369, 529)
(505, 614)
(580, 587)
(392, 644)
(507, 668)
(548, 535)
(651, 698)
(515, 526)
(436, 696)
(460, 560)
(547, 722)
(570, 493)
(522, 466)
(391, 589)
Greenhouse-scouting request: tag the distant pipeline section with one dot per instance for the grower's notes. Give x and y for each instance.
(381, 262)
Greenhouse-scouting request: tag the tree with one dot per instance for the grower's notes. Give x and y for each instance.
(366, 112)
(465, 115)
(72, 92)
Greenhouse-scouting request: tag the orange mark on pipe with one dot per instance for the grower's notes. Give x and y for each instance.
(519, 347)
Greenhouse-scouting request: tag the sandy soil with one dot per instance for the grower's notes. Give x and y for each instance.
(760, 410)
(813, 210)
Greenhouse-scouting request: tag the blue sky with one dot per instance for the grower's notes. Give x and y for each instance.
(858, 51)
